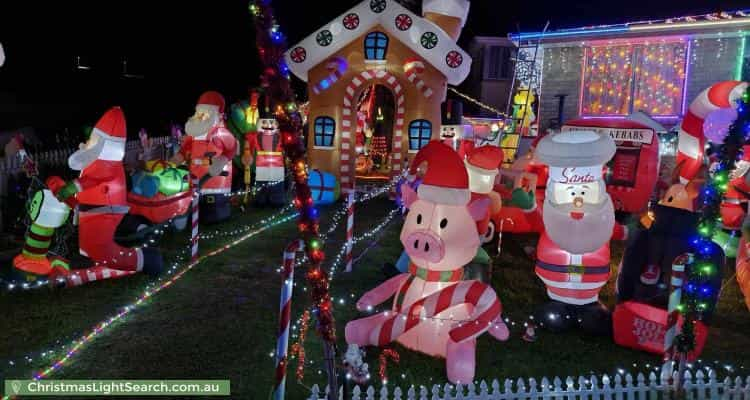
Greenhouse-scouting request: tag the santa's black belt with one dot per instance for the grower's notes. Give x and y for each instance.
(594, 269)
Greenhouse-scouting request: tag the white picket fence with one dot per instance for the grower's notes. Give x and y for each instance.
(697, 385)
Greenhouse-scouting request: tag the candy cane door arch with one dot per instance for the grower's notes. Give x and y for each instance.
(349, 123)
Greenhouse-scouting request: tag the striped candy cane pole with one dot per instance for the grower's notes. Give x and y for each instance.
(675, 298)
(285, 309)
(195, 208)
(83, 276)
(413, 68)
(487, 310)
(691, 138)
(336, 67)
(349, 229)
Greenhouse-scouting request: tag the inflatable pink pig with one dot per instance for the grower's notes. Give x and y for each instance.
(434, 311)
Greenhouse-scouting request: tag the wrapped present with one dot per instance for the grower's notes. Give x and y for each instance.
(323, 186)
(145, 184)
(158, 165)
(173, 180)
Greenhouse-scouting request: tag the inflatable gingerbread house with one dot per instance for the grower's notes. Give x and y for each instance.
(376, 77)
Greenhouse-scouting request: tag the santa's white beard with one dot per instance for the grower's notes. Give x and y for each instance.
(84, 157)
(583, 235)
(198, 128)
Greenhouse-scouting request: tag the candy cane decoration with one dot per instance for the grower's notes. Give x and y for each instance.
(413, 68)
(336, 67)
(195, 207)
(349, 230)
(691, 138)
(99, 273)
(675, 298)
(487, 310)
(285, 309)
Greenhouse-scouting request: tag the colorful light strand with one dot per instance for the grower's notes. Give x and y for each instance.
(75, 347)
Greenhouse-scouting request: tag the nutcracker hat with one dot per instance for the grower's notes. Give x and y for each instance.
(584, 152)
(446, 180)
(266, 108)
(111, 128)
(452, 112)
(214, 99)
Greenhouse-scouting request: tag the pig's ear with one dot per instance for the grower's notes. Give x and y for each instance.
(408, 195)
(478, 208)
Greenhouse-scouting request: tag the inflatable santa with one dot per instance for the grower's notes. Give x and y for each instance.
(99, 193)
(263, 147)
(453, 131)
(578, 221)
(208, 149)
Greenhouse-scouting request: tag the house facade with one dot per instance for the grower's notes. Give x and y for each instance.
(491, 72)
(379, 43)
(657, 67)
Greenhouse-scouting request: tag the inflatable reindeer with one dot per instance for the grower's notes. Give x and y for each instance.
(434, 311)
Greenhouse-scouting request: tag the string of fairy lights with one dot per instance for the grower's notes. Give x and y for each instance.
(69, 350)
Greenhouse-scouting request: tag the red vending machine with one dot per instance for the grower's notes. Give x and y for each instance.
(634, 170)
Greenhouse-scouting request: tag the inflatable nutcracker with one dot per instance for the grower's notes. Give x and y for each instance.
(453, 131)
(208, 149)
(264, 148)
(578, 222)
(99, 193)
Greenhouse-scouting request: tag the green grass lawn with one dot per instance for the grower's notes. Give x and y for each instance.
(219, 321)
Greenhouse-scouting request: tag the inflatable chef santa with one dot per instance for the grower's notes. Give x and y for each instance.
(440, 236)
(99, 193)
(578, 221)
(453, 131)
(208, 149)
(264, 148)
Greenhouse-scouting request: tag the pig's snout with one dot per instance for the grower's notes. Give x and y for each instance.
(425, 245)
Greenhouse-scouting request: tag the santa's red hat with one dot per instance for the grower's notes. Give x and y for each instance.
(212, 98)
(111, 126)
(446, 180)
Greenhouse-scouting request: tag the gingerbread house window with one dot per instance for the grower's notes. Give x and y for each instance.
(420, 133)
(376, 46)
(325, 130)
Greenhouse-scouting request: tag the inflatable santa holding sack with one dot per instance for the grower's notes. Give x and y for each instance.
(99, 193)
(578, 221)
(208, 149)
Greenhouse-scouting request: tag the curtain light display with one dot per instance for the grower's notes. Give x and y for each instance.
(622, 78)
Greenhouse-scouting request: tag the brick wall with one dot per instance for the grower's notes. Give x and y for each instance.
(561, 74)
(711, 61)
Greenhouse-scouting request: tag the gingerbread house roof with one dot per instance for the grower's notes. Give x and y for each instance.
(422, 36)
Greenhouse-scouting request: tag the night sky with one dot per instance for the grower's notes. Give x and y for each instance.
(189, 47)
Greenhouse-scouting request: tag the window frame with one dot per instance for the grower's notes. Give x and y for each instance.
(376, 48)
(324, 122)
(421, 128)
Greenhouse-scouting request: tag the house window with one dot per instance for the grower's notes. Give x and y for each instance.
(376, 45)
(498, 62)
(420, 133)
(325, 129)
(621, 79)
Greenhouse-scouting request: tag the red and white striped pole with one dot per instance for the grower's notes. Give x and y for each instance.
(675, 298)
(285, 309)
(195, 207)
(349, 229)
(99, 273)
(413, 68)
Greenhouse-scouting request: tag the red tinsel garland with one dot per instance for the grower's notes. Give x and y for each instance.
(298, 348)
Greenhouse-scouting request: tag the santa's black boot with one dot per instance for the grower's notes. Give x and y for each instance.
(152, 261)
(555, 316)
(595, 319)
